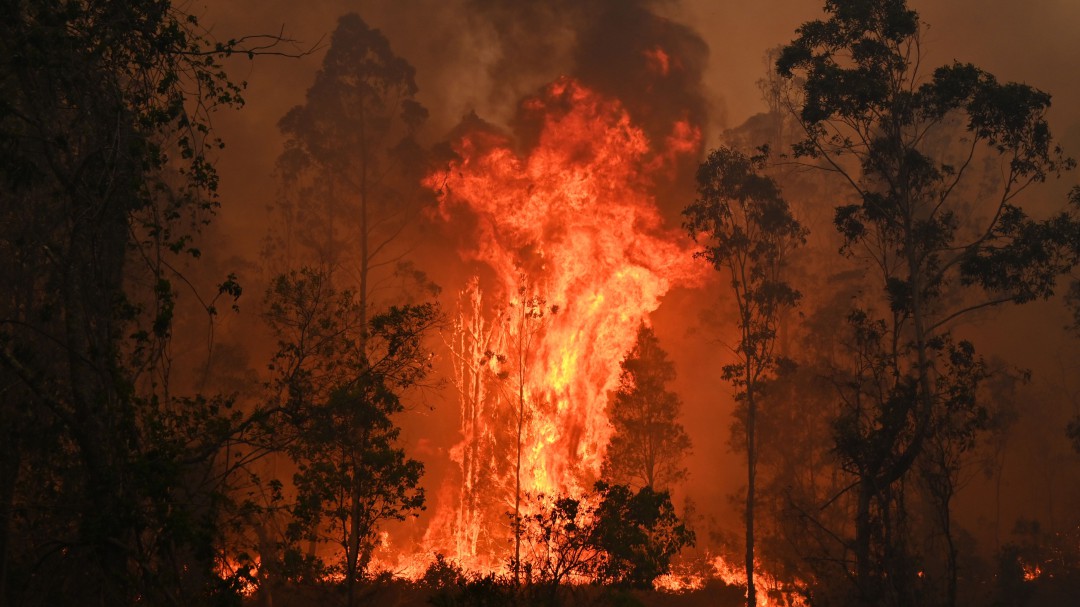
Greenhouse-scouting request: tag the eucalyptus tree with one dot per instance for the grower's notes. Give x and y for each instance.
(906, 143)
(351, 167)
(350, 175)
(340, 387)
(748, 233)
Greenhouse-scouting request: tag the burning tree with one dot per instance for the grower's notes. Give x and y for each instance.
(575, 212)
(648, 443)
(749, 231)
(479, 373)
(526, 318)
(940, 249)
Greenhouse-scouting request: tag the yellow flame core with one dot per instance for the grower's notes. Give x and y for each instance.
(576, 217)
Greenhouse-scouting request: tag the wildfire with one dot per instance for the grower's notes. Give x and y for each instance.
(580, 257)
(771, 591)
(243, 574)
(658, 60)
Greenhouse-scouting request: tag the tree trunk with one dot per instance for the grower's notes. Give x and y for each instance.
(352, 550)
(951, 563)
(862, 541)
(10, 463)
(520, 427)
(103, 419)
(751, 413)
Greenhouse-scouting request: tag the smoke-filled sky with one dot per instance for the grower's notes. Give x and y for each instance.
(484, 55)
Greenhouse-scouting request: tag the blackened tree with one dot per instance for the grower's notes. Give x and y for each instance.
(940, 249)
(528, 319)
(648, 443)
(748, 231)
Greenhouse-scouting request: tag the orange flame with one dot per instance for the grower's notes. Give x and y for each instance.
(770, 591)
(574, 218)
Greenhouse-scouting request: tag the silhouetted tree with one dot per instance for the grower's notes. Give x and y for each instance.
(351, 167)
(939, 249)
(1072, 297)
(106, 175)
(609, 535)
(638, 532)
(341, 397)
(959, 420)
(648, 443)
(557, 535)
(748, 231)
(350, 174)
(527, 320)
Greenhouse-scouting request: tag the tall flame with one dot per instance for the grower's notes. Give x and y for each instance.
(580, 257)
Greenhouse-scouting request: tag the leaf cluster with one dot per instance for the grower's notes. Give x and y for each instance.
(340, 384)
(613, 535)
(864, 98)
(748, 230)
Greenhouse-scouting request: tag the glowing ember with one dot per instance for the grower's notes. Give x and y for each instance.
(771, 591)
(244, 574)
(580, 257)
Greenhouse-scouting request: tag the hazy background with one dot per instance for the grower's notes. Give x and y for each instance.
(483, 55)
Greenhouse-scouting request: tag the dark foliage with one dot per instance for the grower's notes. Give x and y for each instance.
(110, 484)
(614, 535)
(649, 444)
(748, 232)
(904, 144)
(639, 532)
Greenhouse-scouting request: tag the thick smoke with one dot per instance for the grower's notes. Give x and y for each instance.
(622, 49)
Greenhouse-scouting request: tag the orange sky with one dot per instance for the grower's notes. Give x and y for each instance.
(454, 52)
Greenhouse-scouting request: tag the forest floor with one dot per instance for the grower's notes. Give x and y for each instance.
(398, 593)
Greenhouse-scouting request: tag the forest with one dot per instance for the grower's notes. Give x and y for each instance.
(480, 303)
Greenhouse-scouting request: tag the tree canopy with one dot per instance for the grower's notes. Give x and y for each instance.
(906, 143)
(649, 443)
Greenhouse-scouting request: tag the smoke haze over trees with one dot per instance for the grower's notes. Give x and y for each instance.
(392, 331)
